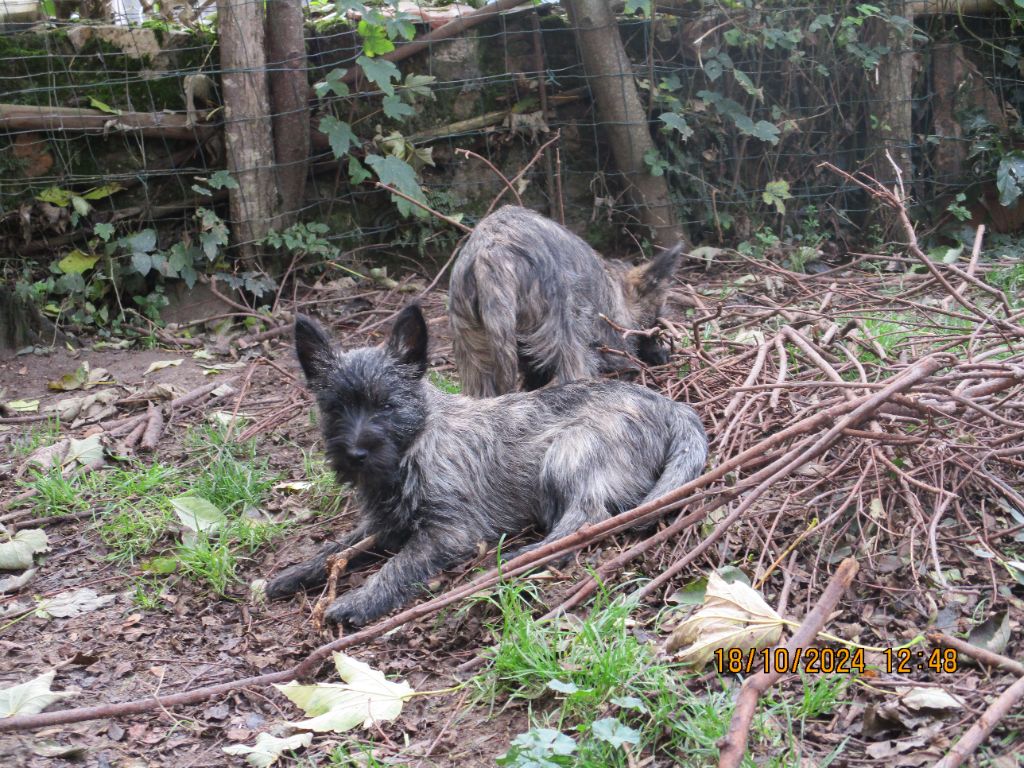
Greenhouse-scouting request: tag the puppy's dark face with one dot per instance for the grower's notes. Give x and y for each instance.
(371, 400)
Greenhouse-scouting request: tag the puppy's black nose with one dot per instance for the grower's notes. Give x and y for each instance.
(356, 455)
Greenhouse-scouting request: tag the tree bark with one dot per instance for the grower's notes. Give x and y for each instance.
(890, 132)
(247, 127)
(622, 116)
(289, 98)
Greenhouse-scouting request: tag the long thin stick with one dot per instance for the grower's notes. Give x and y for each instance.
(734, 745)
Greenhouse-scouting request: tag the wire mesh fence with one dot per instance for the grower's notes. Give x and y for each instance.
(117, 123)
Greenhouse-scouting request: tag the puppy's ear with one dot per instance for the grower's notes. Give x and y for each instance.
(313, 348)
(408, 341)
(654, 276)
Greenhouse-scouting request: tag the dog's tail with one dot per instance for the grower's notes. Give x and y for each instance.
(687, 455)
(483, 316)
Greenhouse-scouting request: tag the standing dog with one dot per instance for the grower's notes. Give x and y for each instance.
(437, 473)
(527, 295)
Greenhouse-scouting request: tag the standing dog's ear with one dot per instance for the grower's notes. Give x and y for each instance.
(408, 341)
(313, 348)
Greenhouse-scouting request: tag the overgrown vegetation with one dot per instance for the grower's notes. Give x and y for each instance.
(146, 516)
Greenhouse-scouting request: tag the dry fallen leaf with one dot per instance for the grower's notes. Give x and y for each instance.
(733, 616)
(157, 365)
(268, 748)
(17, 553)
(74, 603)
(366, 697)
(32, 697)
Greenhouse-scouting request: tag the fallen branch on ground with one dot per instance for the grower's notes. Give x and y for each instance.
(734, 744)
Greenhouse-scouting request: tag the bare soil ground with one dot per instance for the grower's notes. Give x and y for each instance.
(927, 504)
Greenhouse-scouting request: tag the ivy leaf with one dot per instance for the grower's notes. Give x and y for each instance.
(339, 133)
(104, 231)
(333, 83)
(397, 173)
(395, 108)
(615, 733)
(775, 193)
(380, 71)
(762, 129)
(375, 39)
(676, 122)
(1010, 178)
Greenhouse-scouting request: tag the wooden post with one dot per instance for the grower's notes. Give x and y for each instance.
(289, 99)
(623, 118)
(247, 130)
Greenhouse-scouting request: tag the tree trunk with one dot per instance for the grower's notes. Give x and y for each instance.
(22, 325)
(622, 116)
(890, 132)
(247, 131)
(289, 98)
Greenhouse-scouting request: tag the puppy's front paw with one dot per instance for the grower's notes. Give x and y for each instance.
(307, 575)
(353, 609)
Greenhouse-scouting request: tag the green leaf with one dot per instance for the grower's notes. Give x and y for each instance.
(748, 85)
(162, 566)
(676, 122)
(333, 83)
(563, 687)
(56, 196)
(141, 242)
(375, 39)
(380, 71)
(98, 193)
(77, 262)
(762, 129)
(1010, 178)
(142, 263)
(97, 104)
(104, 231)
(775, 193)
(339, 134)
(419, 85)
(197, 514)
(395, 108)
(357, 173)
(397, 173)
(222, 180)
(614, 732)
